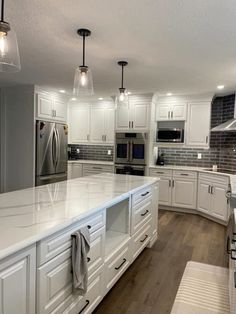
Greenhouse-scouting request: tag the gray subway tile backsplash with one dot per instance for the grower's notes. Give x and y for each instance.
(91, 152)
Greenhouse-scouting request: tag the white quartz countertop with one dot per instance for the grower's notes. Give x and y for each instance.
(93, 162)
(189, 168)
(27, 216)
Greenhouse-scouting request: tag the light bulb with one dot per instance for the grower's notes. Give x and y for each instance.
(122, 97)
(83, 78)
(3, 44)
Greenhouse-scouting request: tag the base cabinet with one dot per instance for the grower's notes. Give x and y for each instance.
(212, 198)
(17, 278)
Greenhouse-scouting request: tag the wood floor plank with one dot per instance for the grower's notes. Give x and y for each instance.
(150, 284)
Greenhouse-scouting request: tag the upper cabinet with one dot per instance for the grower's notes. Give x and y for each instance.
(50, 107)
(102, 125)
(79, 124)
(92, 124)
(171, 112)
(135, 117)
(198, 124)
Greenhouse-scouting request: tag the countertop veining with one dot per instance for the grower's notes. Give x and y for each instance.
(32, 214)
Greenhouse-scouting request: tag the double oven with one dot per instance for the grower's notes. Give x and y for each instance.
(131, 153)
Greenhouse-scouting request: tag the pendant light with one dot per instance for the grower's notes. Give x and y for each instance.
(9, 53)
(122, 99)
(83, 82)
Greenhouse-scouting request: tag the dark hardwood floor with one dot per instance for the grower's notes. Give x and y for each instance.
(150, 284)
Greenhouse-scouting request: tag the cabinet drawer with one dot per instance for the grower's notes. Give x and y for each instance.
(142, 195)
(117, 265)
(160, 172)
(214, 178)
(141, 214)
(98, 168)
(75, 304)
(59, 242)
(184, 174)
(55, 278)
(141, 239)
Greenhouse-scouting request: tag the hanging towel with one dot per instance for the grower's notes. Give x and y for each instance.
(80, 248)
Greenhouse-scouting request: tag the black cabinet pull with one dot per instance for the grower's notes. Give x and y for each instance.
(118, 267)
(144, 194)
(228, 249)
(88, 259)
(87, 303)
(235, 279)
(143, 214)
(88, 226)
(146, 236)
(184, 174)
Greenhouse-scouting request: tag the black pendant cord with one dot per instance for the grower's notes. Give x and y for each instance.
(2, 11)
(83, 50)
(122, 77)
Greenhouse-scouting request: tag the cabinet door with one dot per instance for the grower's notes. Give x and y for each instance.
(198, 124)
(122, 118)
(178, 112)
(165, 191)
(109, 125)
(79, 126)
(97, 125)
(184, 193)
(163, 112)
(44, 106)
(204, 196)
(17, 283)
(219, 202)
(140, 116)
(60, 110)
(74, 171)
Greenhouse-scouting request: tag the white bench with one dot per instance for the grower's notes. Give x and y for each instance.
(204, 289)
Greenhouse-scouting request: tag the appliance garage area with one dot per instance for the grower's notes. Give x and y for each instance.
(117, 157)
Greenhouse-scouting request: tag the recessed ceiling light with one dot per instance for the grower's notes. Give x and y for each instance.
(100, 98)
(62, 91)
(220, 86)
(168, 94)
(73, 98)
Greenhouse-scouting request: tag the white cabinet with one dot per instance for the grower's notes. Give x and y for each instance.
(167, 112)
(198, 124)
(17, 283)
(74, 170)
(184, 193)
(102, 125)
(212, 198)
(51, 107)
(135, 117)
(79, 124)
(177, 189)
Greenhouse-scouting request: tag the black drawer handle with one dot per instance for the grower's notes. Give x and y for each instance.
(118, 267)
(228, 249)
(97, 168)
(144, 194)
(235, 279)
(89, 227)
(184, 174)
(88, 259)
(87, 303)
(146, 236)
(143, 214)
(160, 172)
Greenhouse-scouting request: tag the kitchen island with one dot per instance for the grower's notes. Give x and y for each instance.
(35, 239)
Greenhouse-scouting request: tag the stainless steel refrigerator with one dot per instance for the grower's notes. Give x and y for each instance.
(51, 152)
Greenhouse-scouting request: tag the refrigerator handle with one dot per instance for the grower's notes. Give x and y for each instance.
(54, 148)
(58, 147)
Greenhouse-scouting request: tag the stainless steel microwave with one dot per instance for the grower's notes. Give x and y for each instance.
(170, 135)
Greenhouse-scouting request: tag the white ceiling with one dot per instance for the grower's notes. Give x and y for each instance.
(182, 46)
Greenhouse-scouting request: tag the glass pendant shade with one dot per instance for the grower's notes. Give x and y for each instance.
(9, 52)
(122, 100)
(83, 82)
